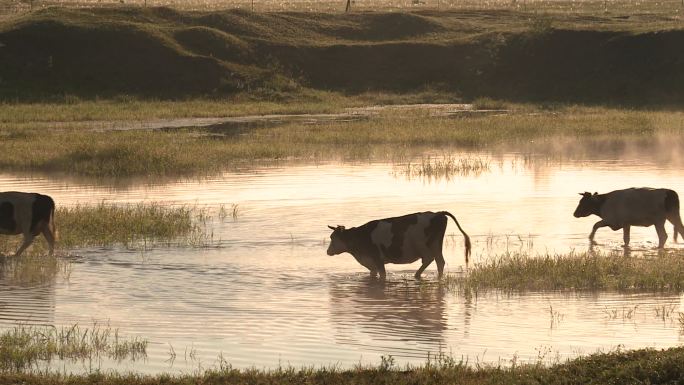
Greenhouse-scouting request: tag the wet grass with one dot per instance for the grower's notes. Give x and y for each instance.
(26, 347)
(446, 167)
(104, 223)
(617, 367)
(391, 135)
(576, 271)
(131, 225)
(72, 109)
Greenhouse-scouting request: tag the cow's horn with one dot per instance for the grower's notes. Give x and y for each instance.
(331, 228)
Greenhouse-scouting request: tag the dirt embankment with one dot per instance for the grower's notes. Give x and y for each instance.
(163, 53)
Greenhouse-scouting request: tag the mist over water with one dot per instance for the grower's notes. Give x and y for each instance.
(264, 293)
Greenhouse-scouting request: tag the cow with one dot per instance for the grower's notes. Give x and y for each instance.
(28, 214)
(621, 209)
(402, 239)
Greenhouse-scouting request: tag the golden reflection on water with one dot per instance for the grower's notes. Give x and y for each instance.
(265, 292)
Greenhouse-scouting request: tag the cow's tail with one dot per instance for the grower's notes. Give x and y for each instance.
(672, 213)
(467, 238)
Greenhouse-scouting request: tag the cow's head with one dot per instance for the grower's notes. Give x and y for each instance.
(337, 242)
(589, 204)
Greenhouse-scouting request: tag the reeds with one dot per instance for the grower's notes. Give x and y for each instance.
(106, 223)
(618, 366)
(25, 347)
(446, 167)
(389, 135)
(131, 225)
(576, 271)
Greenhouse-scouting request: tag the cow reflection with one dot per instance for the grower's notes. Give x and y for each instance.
(27, 289)
(405, 317)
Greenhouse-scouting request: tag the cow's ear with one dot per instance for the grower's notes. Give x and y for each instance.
(332, 228)
(585, 194)
(595, 193)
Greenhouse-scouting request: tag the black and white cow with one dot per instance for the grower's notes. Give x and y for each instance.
(28, 214)
(404, 239)
(621, 209)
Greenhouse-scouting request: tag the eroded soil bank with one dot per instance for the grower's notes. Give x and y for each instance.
(165, 53)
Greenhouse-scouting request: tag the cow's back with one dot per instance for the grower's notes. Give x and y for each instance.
(634, 206)
(407, 238)
(21, 206)
(42, 209)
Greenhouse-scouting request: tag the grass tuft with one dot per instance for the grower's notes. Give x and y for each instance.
(107, 224)
(582, 271)
(25, 347)
(446, 167)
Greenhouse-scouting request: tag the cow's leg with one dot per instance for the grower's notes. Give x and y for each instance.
(373, 273)
(28, 238)
(439, 259)
(381, 271)
(426, 262)
(50, 238)
(676, 221)
(662, 234)
(597, 226)
(625, 235)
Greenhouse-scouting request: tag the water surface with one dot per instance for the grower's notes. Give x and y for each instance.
(264, 293)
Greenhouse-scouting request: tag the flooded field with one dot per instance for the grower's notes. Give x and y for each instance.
(262, 292)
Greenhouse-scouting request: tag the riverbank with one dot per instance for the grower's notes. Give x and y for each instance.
(638, 366)
(82, 148)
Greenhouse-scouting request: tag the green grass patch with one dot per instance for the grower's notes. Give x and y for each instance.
(663, 272)
(107, 224)
(390, 135)
(126, 108)
(646, 366)
(26, 347)
(446, 167)
(103, 224)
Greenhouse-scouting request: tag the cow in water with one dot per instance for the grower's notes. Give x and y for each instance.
(404, 239)
(621, 209)
(28, 214)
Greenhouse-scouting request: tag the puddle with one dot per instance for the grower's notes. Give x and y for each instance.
(267, 295)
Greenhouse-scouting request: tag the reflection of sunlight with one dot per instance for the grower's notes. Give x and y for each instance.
(270, 293)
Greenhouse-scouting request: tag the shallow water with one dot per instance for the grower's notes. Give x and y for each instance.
(264, 293)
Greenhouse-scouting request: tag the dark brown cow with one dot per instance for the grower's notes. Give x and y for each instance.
(404, 239)
(621, 209)
(28, 214)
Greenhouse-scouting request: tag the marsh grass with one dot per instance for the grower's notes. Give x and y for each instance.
(25, 347)
(625, 313)
(665, 312)
(388, 136)
(105, 224)
(446, 167)
(615, 367)
(122, 109)
(575, 271)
